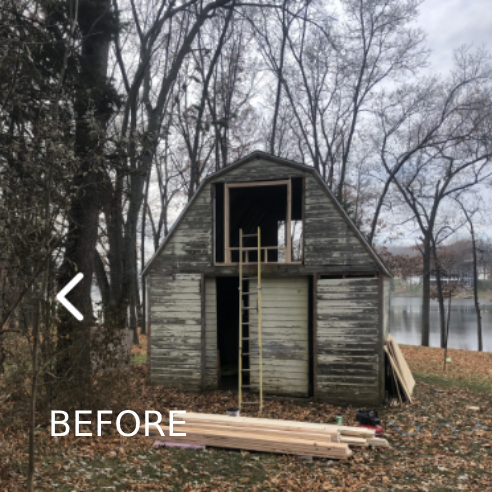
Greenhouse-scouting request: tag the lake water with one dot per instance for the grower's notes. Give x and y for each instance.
(406, 321)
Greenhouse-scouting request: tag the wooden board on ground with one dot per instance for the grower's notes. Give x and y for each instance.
(398, 376)
(353, 441)
(269, 435)
(378, 442)
(323, 437)
(389, 353)
(292, 425)
(401, 363)
(258, 441)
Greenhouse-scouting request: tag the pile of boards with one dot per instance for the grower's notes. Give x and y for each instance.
(402, 375)
(269, 435)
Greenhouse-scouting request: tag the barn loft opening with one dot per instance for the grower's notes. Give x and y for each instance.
(276, 207)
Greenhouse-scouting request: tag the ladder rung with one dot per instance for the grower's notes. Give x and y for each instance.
(245, 353)
(246, 386)
(250, 403)
(245, 323)
(248, 293)
(250, 278)
(250, 235)
(247, 338)
(249, 308)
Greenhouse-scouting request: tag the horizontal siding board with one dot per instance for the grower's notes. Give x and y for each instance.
(328, 238)
(176, 322)
(347, 346)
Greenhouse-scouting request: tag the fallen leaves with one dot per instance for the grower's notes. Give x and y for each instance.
(422, 462)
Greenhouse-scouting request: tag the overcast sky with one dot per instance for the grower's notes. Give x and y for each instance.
(451, 23)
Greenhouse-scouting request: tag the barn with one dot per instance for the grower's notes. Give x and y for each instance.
(324, 290)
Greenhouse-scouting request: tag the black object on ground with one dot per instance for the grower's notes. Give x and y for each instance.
(367, 417)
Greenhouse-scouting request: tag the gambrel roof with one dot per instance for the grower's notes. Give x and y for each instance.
(283, 162)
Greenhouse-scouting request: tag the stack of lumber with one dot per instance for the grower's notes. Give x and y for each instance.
(269, 435)
(402, 375)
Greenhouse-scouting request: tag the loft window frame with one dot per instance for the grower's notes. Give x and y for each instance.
(288, 232)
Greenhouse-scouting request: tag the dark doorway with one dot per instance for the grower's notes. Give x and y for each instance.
(228, 330)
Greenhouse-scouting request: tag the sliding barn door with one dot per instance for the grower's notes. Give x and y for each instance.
(285, 337)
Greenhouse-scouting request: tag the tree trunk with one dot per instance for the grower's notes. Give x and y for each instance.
(32, 407)
(440, 296)
(475, 287)
(91, 103)
(447, 334)
(143, 322)
(426, 292)
(102, 281)
(280, 76)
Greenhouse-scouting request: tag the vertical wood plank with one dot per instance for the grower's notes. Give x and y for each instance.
(203, 340)
(381, 335)
(315, 336)
(214, 223)
(147, 286)
(303, 202)
(227, 256)
(288, 252)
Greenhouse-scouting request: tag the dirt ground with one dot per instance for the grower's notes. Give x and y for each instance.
(442, 462)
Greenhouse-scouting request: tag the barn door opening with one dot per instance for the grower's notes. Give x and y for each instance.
(228, 331)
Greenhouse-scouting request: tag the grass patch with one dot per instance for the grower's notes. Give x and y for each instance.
(169, 469)
(478, 384)
(139, 358)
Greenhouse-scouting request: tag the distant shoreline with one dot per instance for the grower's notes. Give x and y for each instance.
(483, 296)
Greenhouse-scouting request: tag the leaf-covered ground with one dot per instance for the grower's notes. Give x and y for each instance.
(424, 462)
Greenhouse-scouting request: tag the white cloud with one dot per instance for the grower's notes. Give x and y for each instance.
(452, 23)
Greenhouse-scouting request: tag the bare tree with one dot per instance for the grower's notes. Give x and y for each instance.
(164, 35)
(469, 215)
(434, 155)
(330, 69)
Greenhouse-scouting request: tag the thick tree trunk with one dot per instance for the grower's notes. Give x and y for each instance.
(426, 292)
(91, 99)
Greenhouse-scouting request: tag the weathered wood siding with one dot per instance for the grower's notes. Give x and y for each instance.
(329, 240)
(348, 347)
(175, 309)
(285, 337)
(210, 333)
(386, 305)
(330, 246)
(330, 243)
(189, 249)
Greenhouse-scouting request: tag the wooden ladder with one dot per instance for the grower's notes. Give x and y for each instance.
(242, 310)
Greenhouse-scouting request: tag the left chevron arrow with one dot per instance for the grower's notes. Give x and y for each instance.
(61, 296)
